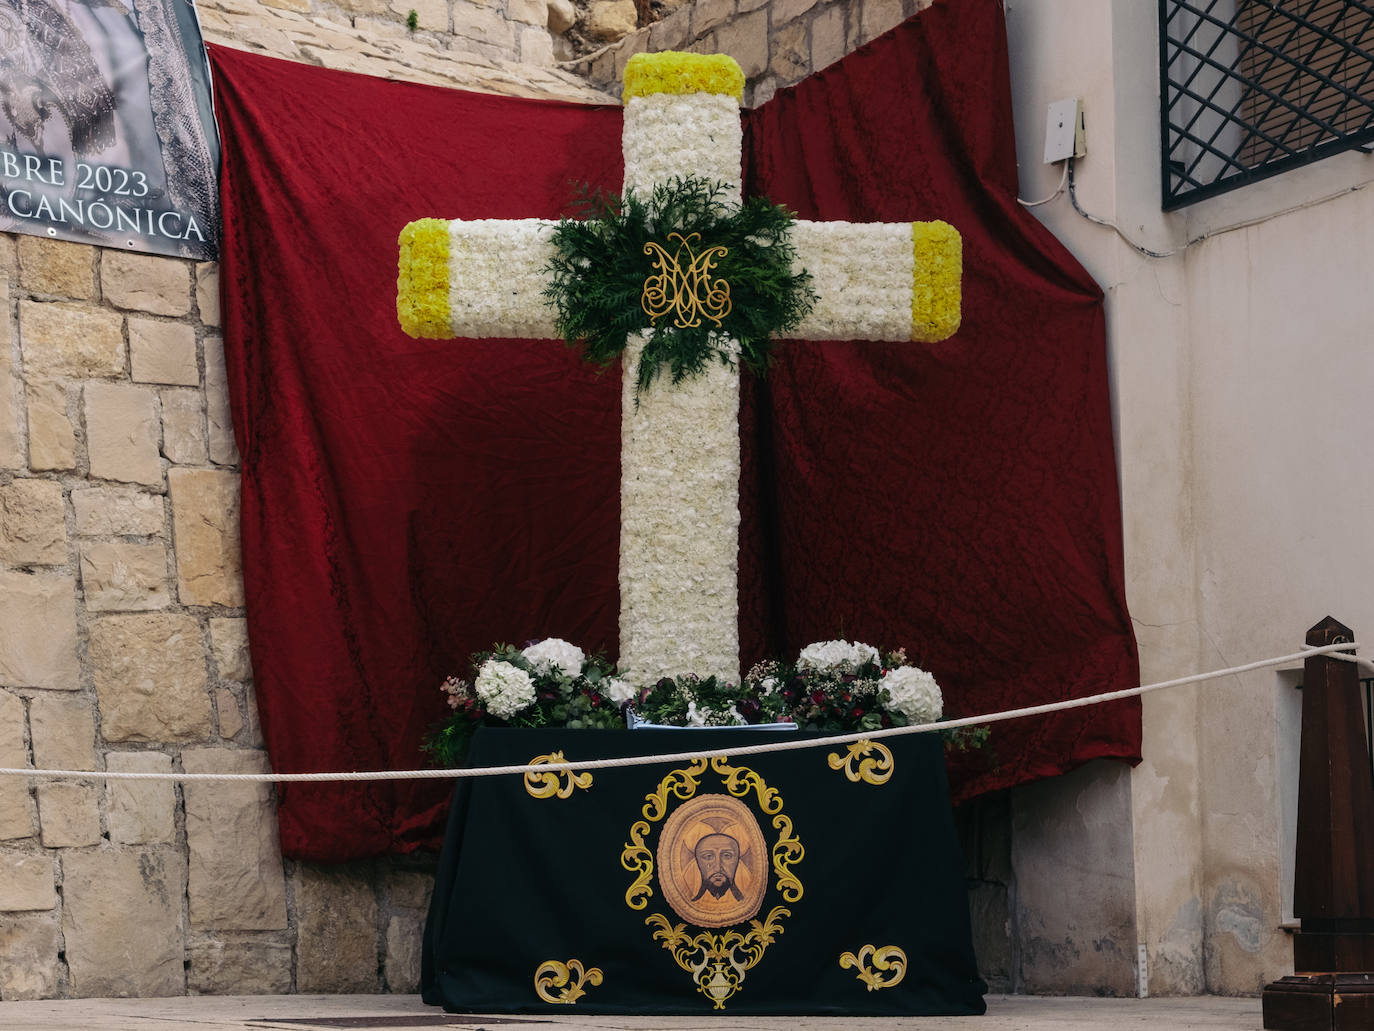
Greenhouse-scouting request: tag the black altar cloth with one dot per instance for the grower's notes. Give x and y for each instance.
(833, 882)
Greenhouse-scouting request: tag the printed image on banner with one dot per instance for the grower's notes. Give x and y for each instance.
(106, 130)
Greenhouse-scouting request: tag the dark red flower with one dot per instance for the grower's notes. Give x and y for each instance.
(818, 697)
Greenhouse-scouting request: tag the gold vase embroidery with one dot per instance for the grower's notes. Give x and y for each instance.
(554, 783)
(683, 286)
(868, 769)
(568, 977)
(889, 965)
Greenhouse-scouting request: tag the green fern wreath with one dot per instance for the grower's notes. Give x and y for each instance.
(601, 263)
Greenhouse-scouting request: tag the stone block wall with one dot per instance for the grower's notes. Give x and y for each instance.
(123, 647)
(776, 42)
(493, 46)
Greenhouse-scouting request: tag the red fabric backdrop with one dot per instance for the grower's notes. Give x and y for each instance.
(406, 502)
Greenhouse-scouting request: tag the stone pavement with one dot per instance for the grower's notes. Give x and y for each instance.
(392, 1012)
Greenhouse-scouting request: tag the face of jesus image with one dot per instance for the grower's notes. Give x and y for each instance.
(717, 857)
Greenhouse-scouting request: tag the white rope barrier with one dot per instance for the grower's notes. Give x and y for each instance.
(1345, 657)
(1339, 651)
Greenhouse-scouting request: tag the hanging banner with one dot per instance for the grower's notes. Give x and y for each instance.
(106, 131)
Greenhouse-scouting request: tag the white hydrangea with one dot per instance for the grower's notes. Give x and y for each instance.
(618, 690)
(553, 652)
(503, 688)
(914, 694)
(844, 656)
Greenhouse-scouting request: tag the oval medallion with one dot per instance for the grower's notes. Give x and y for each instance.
(713, 861)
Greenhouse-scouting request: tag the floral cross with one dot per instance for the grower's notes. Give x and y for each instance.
(679, 536)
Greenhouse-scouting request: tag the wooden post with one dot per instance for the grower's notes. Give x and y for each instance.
(1333, 884)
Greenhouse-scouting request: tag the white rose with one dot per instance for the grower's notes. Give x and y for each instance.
(768, 685)
(551, 653)
(617, 690)
(503, 688)
(914, 694)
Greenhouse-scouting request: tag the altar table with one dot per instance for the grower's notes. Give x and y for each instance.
(825, 880)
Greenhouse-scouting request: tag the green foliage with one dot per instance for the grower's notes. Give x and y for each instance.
(673, 701)
(413, 20)
(967, 739)
(447, 744)
(601, 263)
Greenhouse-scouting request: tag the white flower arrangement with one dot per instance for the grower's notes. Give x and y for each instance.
(862, 275)
(554, 653)
(914, 693)
(837, 656)
(504, 689)
(496, 278)
(679, 604)
(675, 135)
(841, 686)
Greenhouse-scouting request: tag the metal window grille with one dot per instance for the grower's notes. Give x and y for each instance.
(1251, 88)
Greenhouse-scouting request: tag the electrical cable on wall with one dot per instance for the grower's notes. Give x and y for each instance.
(1068, 177)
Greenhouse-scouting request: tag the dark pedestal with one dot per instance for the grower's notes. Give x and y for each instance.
(1321, 1002)
(1333, 889)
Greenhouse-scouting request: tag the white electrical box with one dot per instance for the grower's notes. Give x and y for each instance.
(1064, 131)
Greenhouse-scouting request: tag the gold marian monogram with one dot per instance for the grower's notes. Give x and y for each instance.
(889, 965)
(868, 769)
(568, 977)
(549, 784)
(716, 961)
(683, 284)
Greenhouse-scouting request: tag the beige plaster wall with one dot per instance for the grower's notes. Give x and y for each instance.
(1238, 369)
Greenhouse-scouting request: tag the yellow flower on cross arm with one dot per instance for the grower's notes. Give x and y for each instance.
(422, 288)
(936, 286)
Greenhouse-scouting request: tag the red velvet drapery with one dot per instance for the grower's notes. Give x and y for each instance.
(408, 502)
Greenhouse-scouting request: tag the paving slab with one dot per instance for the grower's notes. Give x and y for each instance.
(401, 1012)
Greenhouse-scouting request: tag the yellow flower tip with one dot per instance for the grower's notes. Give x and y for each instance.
(937, 281)
(674, 72)
(422, 286)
